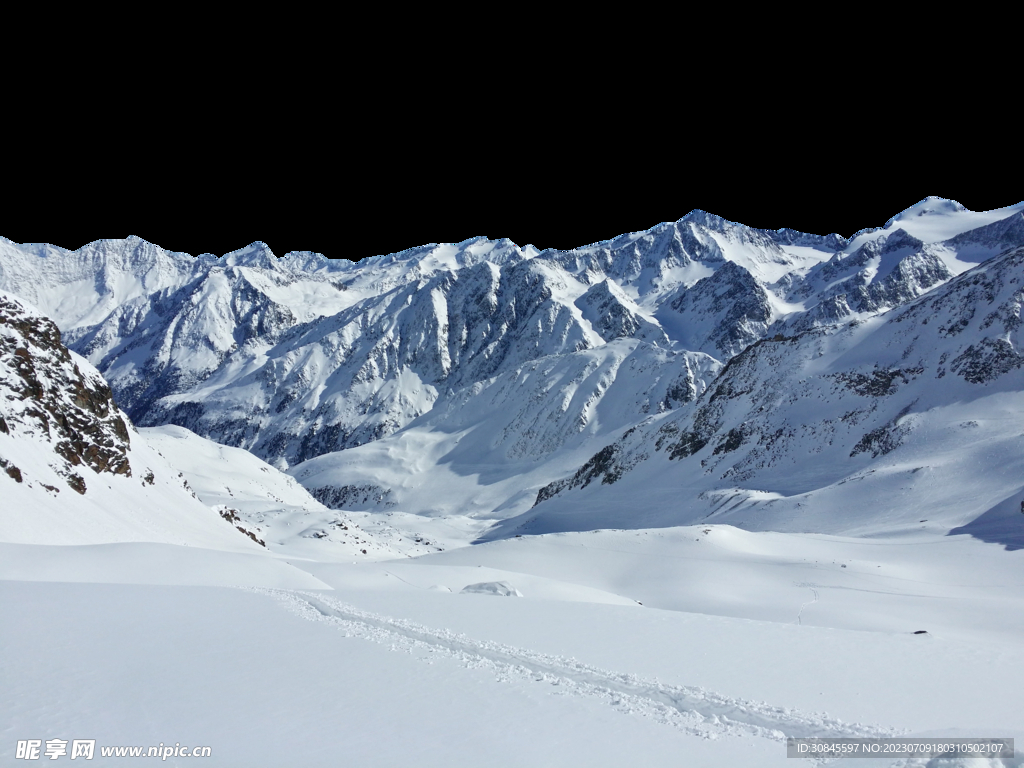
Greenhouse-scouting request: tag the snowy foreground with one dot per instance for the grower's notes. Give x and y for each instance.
(743, 638)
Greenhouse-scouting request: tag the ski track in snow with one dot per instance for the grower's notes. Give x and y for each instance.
(800, 613)
(694, 710)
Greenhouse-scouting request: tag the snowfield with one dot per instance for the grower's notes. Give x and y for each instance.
(665, 500)
(742, 639)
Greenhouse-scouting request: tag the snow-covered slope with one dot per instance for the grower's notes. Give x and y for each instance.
(742, 639)
(277, 510)
(485, 450)
(75, 471)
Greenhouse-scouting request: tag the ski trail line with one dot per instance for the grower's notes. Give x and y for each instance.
(693, 709)
(800, 613)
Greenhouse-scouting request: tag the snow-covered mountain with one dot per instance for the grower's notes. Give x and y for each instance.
(912, 418)
(503, 369)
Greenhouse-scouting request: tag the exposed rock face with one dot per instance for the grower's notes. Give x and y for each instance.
(43, 391)
(730, 309)
(357, 497)
(827, 243)
(995, 237)
(12, 471)
(614, 316)
(602, 465)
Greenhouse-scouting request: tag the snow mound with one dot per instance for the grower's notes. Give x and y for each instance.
(502, 588)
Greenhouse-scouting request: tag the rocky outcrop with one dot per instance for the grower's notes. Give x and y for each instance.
(46, 392)
(614, 316)
(724, 313)
(353, 497)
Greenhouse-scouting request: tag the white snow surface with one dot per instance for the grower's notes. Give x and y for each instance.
(114, 508)
(741, 640)
(278, 510)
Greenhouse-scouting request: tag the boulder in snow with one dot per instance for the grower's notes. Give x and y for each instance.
(502, 588)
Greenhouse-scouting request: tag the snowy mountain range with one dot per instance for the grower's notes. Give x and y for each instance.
(667, 499)
(483, 378)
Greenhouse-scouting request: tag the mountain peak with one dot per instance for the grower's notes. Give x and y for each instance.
(710, 220)
(257, 254)
(930, 206)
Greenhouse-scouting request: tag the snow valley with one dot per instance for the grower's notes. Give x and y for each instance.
(667, 499)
